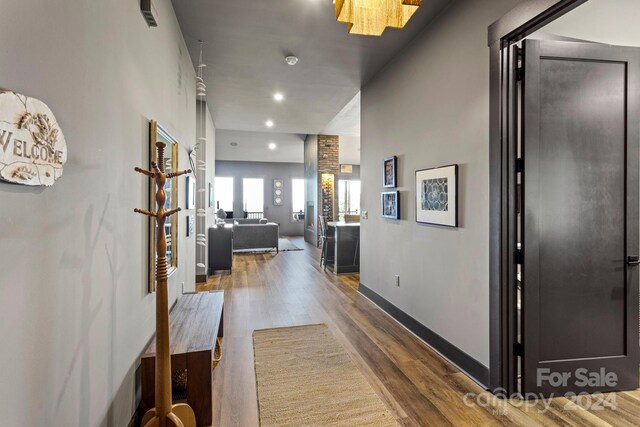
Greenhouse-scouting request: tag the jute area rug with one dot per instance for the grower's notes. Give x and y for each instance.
(305, 378)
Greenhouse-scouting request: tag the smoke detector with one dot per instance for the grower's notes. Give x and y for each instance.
(291, 60)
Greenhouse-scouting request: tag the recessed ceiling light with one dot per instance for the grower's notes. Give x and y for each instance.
(272, 146)
(278, 96)
(234, 144)
(269, 123)
(291, 60)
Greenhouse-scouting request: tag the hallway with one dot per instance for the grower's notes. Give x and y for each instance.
(421, 388)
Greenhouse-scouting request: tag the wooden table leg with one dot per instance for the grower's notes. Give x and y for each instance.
(148, 383)
(221, 328)
(199, 386)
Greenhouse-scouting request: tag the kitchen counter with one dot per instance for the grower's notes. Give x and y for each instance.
(345, 252)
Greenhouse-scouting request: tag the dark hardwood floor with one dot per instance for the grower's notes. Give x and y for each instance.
(420, 387)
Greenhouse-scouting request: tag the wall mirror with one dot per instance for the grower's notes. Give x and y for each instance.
(158, 134)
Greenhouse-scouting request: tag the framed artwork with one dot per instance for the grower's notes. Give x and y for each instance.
(278, 192)
(390, 172)
(210, 194)
(191, 225)
(437, 196)
(191, 192)
(391, 204)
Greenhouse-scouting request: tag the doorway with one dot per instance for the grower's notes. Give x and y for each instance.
(564, 191)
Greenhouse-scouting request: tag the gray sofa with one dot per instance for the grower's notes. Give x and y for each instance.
(245, 221)
(254, 235)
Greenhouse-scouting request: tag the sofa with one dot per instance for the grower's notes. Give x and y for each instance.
(251, 234)
(243, 221)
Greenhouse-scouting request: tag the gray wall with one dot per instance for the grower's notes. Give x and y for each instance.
(354, 176)
(440, 83)
(311, 185)
(268, 171)
(73, 289)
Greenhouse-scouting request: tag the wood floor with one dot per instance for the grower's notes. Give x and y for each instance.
(419, 386)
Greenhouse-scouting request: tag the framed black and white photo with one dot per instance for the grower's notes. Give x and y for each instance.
(437, 196)
(391, 204)
(191, 225)
(191, 192)
(390, 172)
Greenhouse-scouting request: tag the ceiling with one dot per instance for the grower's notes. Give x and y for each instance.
(347, 121)
(602, 21)
(254, 146)
(245, 43)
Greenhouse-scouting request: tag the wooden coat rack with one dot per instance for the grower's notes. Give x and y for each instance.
(165, 414)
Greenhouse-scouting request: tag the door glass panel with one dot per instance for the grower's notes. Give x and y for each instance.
(348, 198)
(253, 197)
(224, 193)
(297, 199)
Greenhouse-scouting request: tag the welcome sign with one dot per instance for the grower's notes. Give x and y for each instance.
(33, 150)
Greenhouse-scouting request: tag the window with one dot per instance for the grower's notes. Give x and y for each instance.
(253, 197)
(297, 199)
(223, 191)
(348, 198)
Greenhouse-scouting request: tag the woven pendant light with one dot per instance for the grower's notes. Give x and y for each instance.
(372, 17)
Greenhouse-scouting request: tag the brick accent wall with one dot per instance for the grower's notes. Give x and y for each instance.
(328, 163)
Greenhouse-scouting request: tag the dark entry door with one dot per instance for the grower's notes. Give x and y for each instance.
(580, 128)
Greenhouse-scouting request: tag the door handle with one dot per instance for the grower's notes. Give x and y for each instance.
(633, 260)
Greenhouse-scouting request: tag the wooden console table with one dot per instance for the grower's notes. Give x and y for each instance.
(195, 323)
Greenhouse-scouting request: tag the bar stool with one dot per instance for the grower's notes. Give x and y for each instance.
(325, 241)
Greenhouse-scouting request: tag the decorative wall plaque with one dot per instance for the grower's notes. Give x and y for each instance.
(33, 150)
(278, 192)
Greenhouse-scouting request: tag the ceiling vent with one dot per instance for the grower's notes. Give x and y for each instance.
(147, 11)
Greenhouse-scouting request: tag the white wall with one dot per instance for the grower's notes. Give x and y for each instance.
(430, 107)
(207, 153)
(349, 150)
(75, 313)
(211, 163)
